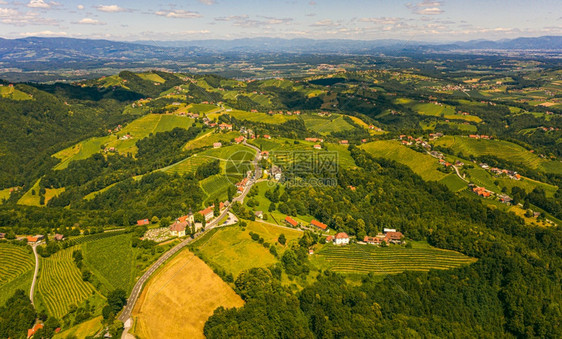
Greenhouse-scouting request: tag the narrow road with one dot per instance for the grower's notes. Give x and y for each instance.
(32, 290)
(458, 173)
(125, 316)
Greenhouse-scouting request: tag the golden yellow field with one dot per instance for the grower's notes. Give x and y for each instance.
(180, 298)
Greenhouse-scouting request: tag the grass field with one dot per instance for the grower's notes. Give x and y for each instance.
(233, 250)
(528, 185)
(16, 270)
(209, 138)
(4, 194)
(14, 94)
(60, 283)
(444, 111)
(30, 199)
(393, 259)
(138, 129)
(422, 164)
(178, 300)
(276, 119)
(322, 125)
(83, 330)
(151, 77)
(111, 261)
(501, 149)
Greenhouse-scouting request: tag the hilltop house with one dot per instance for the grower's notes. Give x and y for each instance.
(217, 145)
(259, 214)
(31, 332)
(291, 221)
(59, 237)
(341, 239)
(319, 224)
(143, 222)
(239, 139)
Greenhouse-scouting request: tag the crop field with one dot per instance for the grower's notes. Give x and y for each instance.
(60, 283)
(286, 84)
(501, 149)
(83, 330)
(390, 260)
(111, 260)
(16, 269)
(178, 299)
(235, 152)
(276, 119)
(14, 94)
(322, 125)
(233, 250)
(216, 186)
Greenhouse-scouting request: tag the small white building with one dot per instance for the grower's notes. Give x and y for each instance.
(341, 239)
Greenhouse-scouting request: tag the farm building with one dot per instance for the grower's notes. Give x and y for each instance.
(317, 146)
(59, 237)
(226, 127)
(319, 224)
(217, 145)
(259, 214)
(2, 235)
(341, 239)
(374, 240)
(291, 221)
(239, 139)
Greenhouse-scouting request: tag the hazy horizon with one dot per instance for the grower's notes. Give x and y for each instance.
(426, 20)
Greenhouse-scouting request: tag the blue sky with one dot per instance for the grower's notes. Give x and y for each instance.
(429, 20)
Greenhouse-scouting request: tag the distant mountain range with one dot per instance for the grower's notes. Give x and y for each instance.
(73, 57)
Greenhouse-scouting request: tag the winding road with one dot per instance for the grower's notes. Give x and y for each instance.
(137, 289)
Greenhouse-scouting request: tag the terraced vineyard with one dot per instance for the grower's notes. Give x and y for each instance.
(188, 165)
(394, 259)
(60, 283)
(111, 260)
(16, 269)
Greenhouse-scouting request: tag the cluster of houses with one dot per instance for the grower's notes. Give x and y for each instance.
(408, 140)
(547, 129)
(480, 136)
(179, 226)
(389, 236)
(485, 193)
(498, 171)
(281, 112)
(116, 129)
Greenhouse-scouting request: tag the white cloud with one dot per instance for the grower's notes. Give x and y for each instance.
(207, 2)
(325, 23)
(89, 21)
(178, 14)
(44, 34)
(42, 4)
(245, 21)
(80, 7)
(111, 9)
(426, 7)
(14, 17)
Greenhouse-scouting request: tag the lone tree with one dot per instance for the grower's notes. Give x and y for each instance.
(282, 240)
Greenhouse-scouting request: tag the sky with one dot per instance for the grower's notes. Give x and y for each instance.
(426, 20)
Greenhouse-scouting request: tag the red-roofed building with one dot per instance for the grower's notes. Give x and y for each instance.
(59, 237)
(341, 239)
(208, 213)
(31, 332)
(373, 240)
(217, 145)
(317, 146)
(329, 238)
(143, 222)
(266, 136)
(224, 126)
(177, 229)
(32, 239)
(344, 142)
(319, 224)
(393, 237)
(239, 139)
(291, 221)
